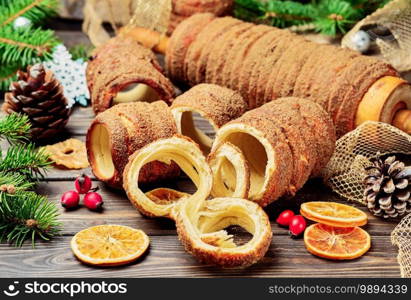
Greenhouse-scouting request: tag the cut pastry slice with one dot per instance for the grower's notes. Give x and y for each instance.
(118, 132)
(202, 231)
(231, 175)
(278, 159)
(200, 222)
(180, 150)
(165, 195)
(213, 104)
(266, 151)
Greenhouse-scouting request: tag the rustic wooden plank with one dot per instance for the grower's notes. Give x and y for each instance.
(118, 209)
(167, 258)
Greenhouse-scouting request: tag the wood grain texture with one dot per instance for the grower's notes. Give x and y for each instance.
(118, 209)
(166, 258)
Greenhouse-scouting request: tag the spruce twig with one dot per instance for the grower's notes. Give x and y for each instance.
(35, 10)
(23, 213)
(23, 46)
(25, 160)
(27, 215)
(81, 51)
(15, 128)
(329, 17)
(8, 74)
(335, 16)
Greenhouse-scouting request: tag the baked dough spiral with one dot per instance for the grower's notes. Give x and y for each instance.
(200, 222)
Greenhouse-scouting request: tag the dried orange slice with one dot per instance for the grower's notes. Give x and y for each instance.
(109, 245)
(336, 242)
(333, 214)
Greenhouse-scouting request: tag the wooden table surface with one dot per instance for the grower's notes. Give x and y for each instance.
(166, 257)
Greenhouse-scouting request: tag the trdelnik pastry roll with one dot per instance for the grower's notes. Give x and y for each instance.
(201, 223)
(121, 71)
(265, 63)
(214, 104)
(273, 150)
(118, 132)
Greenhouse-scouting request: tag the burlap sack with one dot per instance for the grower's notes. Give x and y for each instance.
(345, 171)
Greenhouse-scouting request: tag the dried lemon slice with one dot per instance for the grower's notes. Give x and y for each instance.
(109, 245)
(333, 214)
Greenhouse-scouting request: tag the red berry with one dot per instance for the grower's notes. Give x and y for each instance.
(285, 217)
(297, 225)
(83, 184)
(70, 199)
(93, 201)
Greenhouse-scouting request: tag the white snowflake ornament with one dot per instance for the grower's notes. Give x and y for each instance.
(71, 74)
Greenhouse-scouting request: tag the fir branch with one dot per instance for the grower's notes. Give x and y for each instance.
(34, 10)
(8, 74)
(325, 16)
(19, 181)
(335, 16)
(26, 46)
(27, 215)
(81, 51)
(249, 10)
(288, 13)
(25, 160)
(15, 128)
(23, 213)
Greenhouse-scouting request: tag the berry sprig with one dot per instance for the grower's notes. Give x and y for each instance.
(92, 200)
(295, 223)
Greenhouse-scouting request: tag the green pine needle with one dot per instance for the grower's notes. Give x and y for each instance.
(26, 46)
(27, 215)
(25, 160)
(329, 17)
(81, 51)
(23, 213)
(35, 10)
(335, 16)
(19, 181)
(288, 13)
(8, 74)
(15, 128)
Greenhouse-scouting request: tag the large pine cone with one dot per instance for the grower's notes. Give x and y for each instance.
(388, 188)
(38, 95)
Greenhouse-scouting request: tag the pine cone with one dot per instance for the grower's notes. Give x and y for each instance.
(388, 188)
(40, 96)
